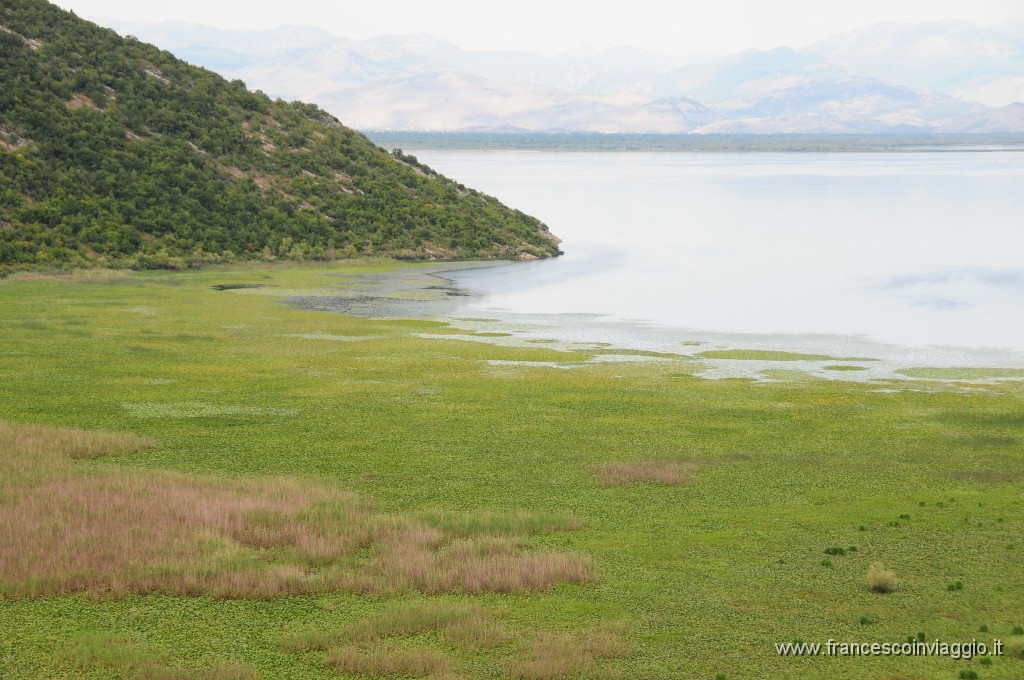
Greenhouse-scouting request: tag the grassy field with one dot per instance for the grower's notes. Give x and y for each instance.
(203, 483)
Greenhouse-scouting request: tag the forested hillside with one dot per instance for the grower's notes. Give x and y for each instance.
(114, 152)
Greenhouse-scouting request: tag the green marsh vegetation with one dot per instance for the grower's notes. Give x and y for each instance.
(398, 504)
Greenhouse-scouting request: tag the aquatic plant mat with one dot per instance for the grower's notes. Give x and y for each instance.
(201, 482)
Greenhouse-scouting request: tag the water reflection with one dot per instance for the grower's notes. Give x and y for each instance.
(917, 249)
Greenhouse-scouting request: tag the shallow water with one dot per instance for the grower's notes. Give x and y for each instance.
(916, 255)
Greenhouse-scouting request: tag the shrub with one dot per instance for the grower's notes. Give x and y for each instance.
(880, 579)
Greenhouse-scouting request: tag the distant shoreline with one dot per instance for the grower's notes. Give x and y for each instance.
(798, 143)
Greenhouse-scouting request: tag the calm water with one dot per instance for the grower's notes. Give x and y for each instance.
(911, 250)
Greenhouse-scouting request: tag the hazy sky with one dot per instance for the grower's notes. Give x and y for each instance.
(553, 26)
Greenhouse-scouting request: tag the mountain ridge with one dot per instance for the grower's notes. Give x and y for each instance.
(428, 83)
(114, 152)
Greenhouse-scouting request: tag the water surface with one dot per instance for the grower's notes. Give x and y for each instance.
(918, 252)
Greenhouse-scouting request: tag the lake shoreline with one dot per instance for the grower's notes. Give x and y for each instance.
(434, 292)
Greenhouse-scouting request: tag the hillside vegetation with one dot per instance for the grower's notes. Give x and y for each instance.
(114, 152)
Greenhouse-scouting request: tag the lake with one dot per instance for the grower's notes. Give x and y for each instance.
(918, 255)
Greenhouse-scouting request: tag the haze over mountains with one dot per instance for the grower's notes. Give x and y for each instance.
(903, 78)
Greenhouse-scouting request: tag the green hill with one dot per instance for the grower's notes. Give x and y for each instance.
(114, 152)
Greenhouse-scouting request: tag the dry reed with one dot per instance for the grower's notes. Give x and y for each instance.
(459, 623)
(390, 659)
(119, 531)
(97, 275)
(653, 470)
(555, 656)
(141, 661)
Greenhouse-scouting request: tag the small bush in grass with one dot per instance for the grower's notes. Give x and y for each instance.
(862, 528)
(968, 674)
(835, 551)
(920, 636)
(983, 628)
(880, 579)
(986, 661)
(868, 620)
(904, 516)
(826, 562)
(955, 585)
(1018, 630)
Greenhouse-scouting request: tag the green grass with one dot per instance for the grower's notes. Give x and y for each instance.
(707, 575)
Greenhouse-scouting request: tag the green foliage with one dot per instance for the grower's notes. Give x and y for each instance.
(115, 152)
(712, 573)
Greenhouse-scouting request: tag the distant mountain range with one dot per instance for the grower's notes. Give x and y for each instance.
(902, 78)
